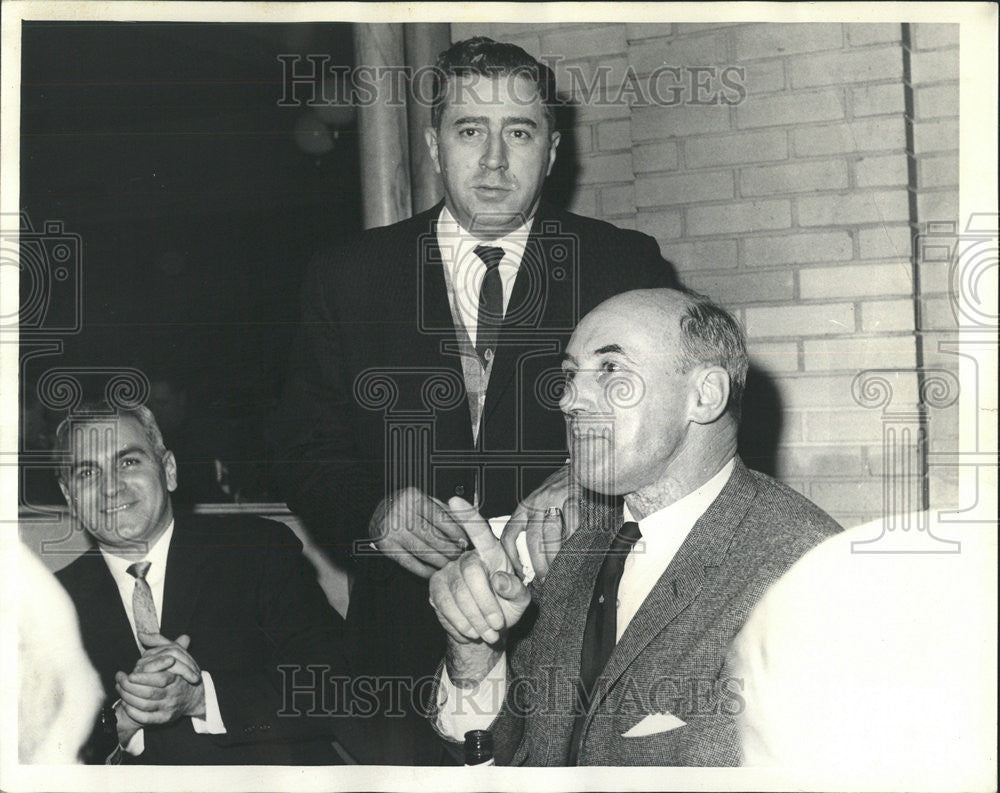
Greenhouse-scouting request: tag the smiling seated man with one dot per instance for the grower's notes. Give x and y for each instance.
(636, 608)
(196, 626)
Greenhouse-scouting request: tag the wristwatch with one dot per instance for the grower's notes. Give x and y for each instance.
(109, 721)
(109, 729)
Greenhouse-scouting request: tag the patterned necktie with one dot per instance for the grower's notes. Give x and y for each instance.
(143, 608)
(490, 304)
(599, 637)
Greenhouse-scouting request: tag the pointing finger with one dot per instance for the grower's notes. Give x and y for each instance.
(481, 535)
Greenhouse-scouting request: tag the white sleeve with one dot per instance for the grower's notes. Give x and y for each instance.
(212, 723)
(464, 709)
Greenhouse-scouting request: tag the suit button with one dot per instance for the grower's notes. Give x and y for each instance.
(459, 490)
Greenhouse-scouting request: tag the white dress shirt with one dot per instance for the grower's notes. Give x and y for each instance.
(157, 557)
(465, 270)
(663, 533)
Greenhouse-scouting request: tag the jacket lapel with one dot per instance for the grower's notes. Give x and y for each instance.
(704, 548)
(435, 311)
(104, 624)
(188, 555)
(568, 590)
(436, 334)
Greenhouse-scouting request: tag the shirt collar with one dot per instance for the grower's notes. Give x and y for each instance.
(449, 228)
(684, 513)
(157, 557)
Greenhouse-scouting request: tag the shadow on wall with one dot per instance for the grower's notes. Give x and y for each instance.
(760, 428)
(560, 187)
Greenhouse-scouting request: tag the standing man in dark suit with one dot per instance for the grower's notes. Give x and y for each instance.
(189, 623)
(624, 664)
(424, 363)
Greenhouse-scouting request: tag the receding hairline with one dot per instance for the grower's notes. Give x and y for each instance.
(668, 304)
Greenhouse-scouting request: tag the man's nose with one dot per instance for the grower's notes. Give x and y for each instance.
(113, 485)
(495, 156)
(578, 397)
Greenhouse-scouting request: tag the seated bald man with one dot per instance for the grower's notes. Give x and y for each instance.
(636, 608)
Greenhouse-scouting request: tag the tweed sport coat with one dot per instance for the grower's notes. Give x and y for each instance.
(670, 659)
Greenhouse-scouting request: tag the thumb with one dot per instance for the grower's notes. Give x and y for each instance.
(509, 587)
(184, 640)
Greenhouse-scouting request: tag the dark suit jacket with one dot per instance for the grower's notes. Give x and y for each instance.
(670, 659)
(375, 368)
(249, 600)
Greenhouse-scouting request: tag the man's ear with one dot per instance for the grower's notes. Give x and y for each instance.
(69, 499)
(431, 138)
(170, 470)
(554, 139)
(711, 385)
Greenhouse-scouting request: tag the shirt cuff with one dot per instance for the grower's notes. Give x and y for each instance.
(136, 744)
(464, 709)
(212, 723)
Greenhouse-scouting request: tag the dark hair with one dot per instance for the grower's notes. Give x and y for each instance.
(711, 335)
(90, 412)
(481, 55)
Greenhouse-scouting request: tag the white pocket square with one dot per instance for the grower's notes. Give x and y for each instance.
(654, 723)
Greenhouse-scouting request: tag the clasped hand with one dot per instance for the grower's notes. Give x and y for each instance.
(165, 684)
(478, 595)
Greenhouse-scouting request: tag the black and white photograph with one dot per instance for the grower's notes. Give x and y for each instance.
(388, 389)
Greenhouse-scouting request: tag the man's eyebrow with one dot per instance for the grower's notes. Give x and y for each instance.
(505, 121)
(131, 450)
(523, 120)
(610, 348)
(470, 120)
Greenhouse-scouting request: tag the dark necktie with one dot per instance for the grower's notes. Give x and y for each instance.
(602, 624)
(490, 304)
(143, 608)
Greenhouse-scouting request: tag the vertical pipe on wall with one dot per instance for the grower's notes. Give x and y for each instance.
(382, 126)
(424, 41)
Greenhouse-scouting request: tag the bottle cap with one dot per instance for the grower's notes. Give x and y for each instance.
(478, 747)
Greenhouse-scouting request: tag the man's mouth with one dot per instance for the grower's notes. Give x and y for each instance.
(119, 508)
(492, 190)
(591, 432)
